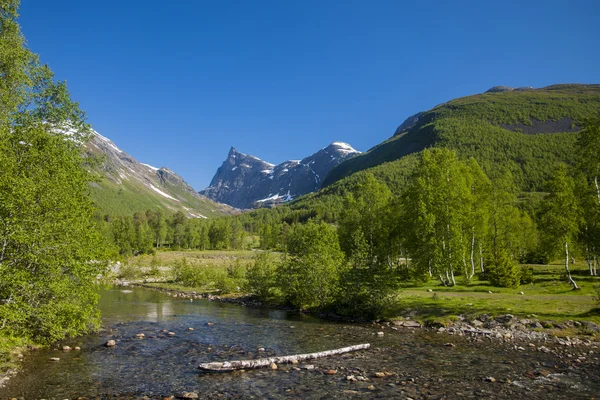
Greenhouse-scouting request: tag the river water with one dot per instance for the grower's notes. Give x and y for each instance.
(415, 364)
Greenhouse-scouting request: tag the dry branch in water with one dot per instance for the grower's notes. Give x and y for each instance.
(265, 362)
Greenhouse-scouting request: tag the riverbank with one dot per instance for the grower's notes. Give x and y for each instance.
(503, 327)
(404, 360)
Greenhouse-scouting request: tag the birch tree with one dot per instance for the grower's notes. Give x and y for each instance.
(437, 206)
(588, 165)
(560, 217)
(365, 229)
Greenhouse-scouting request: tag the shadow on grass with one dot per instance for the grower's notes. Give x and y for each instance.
(594, 312)
(430, 309)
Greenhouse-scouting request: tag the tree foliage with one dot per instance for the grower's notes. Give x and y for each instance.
(51, 249)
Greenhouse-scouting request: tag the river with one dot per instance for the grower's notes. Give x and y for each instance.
(411, 363)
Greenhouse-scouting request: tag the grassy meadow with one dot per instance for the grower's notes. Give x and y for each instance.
(548, 297)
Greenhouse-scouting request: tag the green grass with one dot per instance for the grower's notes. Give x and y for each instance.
(128, 198)
(549, 297)
(210, 271)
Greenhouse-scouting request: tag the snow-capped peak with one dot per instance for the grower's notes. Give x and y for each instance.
(344, 147)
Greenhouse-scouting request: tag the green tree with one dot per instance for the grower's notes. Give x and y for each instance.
(309, 276)
(588, 149)
(365, 229)
(560, 217)
(588, 189)
(51, 250)
(437, 206)
(158, 224)
(262, 276)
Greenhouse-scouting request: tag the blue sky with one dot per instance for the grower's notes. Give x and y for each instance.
(177, 83)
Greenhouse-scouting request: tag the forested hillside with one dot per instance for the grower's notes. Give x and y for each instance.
(526, 131)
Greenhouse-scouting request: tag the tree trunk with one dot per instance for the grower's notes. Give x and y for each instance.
(575, 287)
(442, 280)
(472, 254)
(481, 258)
(265, 362)
(589, 259)
(597, 188)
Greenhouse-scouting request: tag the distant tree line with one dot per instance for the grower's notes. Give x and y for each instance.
(143, 232)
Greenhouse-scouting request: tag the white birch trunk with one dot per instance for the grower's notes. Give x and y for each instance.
(472, 254)
(575, 287)
(265, 362)
(589, 260)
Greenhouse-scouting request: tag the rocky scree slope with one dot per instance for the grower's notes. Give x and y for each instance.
(245, 181)
(127, 185)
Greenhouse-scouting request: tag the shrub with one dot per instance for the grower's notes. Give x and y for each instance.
(129, 272)
(526, 275)
(504, 272)
(261, 276)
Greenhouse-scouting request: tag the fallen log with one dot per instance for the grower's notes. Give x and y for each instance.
(265, 362)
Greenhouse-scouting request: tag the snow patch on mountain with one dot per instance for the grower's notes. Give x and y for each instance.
(275, 197)
(108, 141)
(157, 190)
(150, 166)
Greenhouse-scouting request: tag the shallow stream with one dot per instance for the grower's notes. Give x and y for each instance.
(411, 363)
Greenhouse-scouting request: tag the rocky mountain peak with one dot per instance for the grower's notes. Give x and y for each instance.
(245, 181)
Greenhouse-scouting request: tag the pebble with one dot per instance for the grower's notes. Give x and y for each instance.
(351, 378)
(67, 348)
(190, 395)
(110, 343)
(190, 329)
(371, 387)
(380, 374)
(380, 333)
(54, 359)
(77, 348)
(273, 366)
(295, 362)
(210, 323)
(490, 379)
(330, 372)
(140, 336)
(261, 349)
(308, 367)
(171, 333)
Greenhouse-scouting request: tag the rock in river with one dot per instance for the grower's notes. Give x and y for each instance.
(110, 343)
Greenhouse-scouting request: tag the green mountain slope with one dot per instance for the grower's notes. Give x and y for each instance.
(527, 131)
(524, 130)
(126, 186)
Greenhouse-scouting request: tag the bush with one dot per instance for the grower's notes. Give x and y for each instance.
(129, 272)
(154, 270)
(261, 276)
(504, 272)
(526, 275)
(188, 275)
(310, 276)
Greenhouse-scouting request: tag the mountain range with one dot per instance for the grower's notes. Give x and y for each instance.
(125, 185)
(526, 131)
(245, 181)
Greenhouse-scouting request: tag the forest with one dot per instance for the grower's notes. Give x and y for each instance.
(451, 222)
